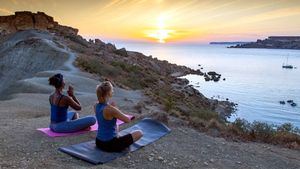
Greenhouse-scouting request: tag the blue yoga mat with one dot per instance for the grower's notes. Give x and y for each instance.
(152, 131)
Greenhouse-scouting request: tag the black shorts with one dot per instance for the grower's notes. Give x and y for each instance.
(117, 144)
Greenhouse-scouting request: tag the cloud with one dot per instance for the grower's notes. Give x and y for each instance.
(279, 13)
(5, 11)
(15, 2)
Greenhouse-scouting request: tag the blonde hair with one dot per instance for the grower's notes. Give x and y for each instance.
(103, 89)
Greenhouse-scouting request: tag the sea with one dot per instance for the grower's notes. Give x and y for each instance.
(254, 78)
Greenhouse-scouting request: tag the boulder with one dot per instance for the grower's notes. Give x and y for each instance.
(98, 42)
(282, 102)
(212, 76)
(110, 47)
(212, 73)
(122, 52)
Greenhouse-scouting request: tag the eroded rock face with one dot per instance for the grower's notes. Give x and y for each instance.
(43, 21)
(23, 20)
(27, 20)
(7, 25)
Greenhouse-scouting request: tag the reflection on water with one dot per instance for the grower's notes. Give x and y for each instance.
(254, 77)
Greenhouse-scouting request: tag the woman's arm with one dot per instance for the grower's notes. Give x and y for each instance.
(71, 94)
(75, 99)
(118, 114)
(72, 100)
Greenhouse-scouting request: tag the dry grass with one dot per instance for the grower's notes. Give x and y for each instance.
(284, 134)
(131, 76)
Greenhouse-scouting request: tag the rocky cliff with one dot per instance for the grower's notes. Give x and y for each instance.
(273, 42)
(27, 20)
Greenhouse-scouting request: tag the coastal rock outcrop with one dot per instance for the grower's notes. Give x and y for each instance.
(291, 102)
(212, 76)
(273, 42)
(27, 20)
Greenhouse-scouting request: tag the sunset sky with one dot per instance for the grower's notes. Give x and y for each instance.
(163, 21)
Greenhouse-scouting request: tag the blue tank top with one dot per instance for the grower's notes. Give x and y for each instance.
(58, 113)
(106, 128)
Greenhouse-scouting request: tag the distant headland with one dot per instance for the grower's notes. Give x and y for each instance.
(273, 42)
(227, 43)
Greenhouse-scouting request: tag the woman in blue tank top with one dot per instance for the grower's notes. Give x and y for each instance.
(63, 121)
(107, 114)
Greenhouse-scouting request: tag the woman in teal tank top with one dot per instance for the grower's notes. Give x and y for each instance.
(107, 114)
(63, 121)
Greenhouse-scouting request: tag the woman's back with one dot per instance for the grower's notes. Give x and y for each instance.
(107, 115)
(106, 128)
(63, 121)
(58, 109)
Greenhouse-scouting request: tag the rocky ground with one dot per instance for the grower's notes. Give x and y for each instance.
(23, 147)
(24, 107)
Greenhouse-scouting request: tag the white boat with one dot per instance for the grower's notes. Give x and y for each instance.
(286, 65)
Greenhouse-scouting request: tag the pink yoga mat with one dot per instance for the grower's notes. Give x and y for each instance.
(93, 128)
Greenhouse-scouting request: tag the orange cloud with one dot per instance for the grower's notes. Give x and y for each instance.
(6, 11)
(168, 20)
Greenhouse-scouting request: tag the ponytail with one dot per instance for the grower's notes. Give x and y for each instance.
(103, 89)
(56, 80)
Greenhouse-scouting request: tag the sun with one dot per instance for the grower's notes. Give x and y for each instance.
(160, 33)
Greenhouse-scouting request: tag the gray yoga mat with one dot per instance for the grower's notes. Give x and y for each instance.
(88, 151)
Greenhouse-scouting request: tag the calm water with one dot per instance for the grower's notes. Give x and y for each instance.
(254, 77)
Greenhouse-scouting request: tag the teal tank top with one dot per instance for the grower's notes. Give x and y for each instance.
(106, 128)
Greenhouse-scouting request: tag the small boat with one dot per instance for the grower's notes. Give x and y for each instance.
(287, 66)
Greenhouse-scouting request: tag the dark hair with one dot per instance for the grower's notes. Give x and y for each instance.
(56, 80)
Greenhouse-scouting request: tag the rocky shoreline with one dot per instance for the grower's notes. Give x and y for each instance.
(154, 75)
